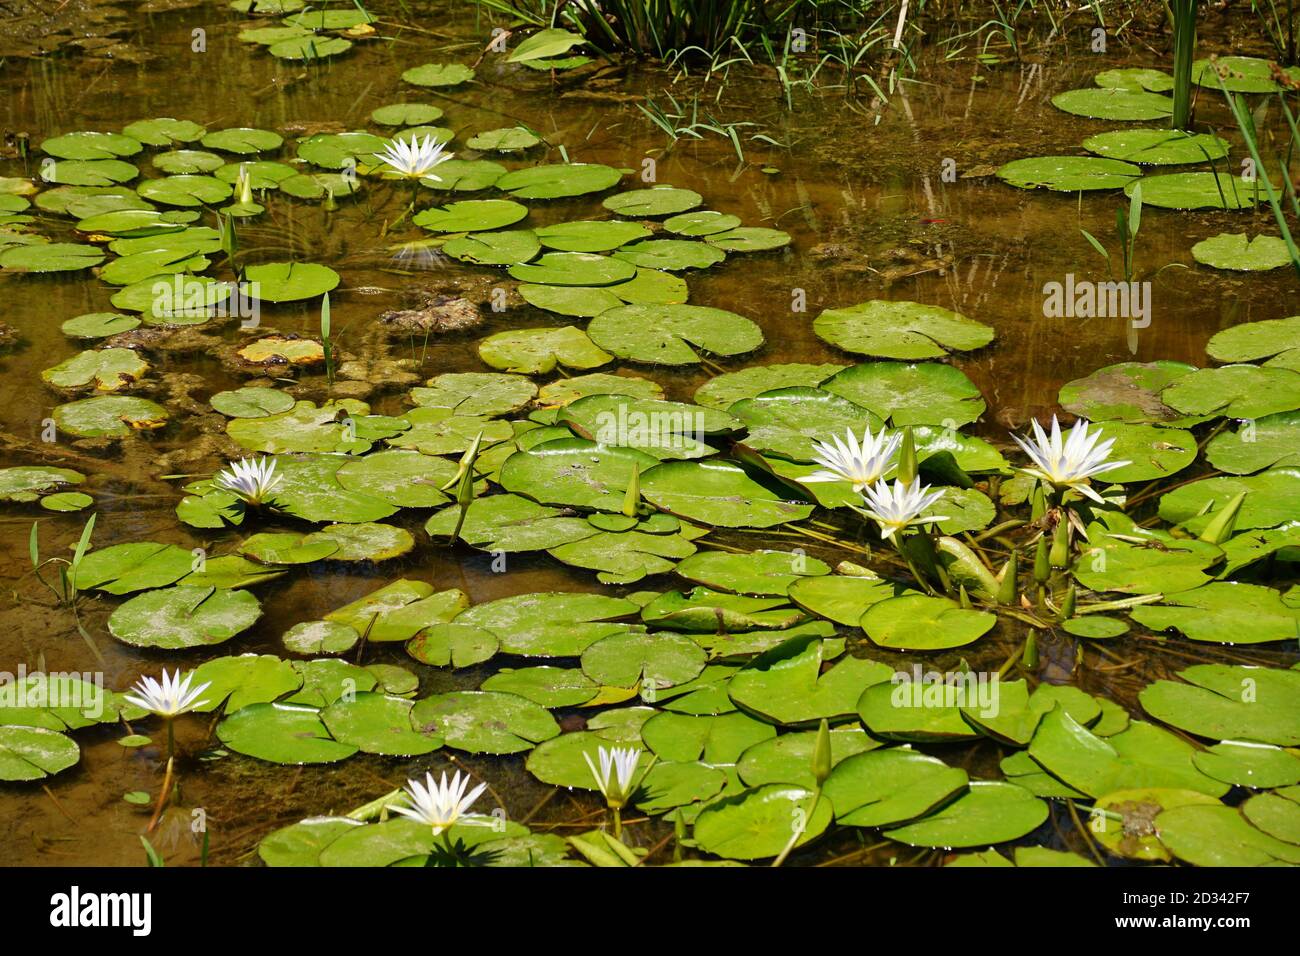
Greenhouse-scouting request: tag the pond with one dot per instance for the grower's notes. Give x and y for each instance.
(542, 442)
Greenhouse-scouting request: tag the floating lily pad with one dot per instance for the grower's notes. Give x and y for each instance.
(164, 131)
(1224, 702)
(786, 685)
(1221, 836)
(559, 180)
(653, 202)
(1249, 765)
(917, 622)
(910, 394)
(363, 541)
(989, 812)
(507, 140)
(471, 215)
(510, 523)
(573, 269)
(539, 351)
(484, 721)
(51, 257)
(378, 724)
(289, 281)
(109, 416)
(1270, 500)
(505, 248)
(887, 787)
(717, 493)
(900, 330)
(759, 823)
(184, 616)
(1139, 560)
(282, 733)
(29, 483)
(1115, 104)
(107, 369)
(464, 175)
(671, 255)
(243, 140)
(438, 75)
(1227, 612)
(1252, 341)
(1235, 391)
(1238, 74)
(317, 638)
(1068, 173)
(34, 753)
(89, 172)
(574, 472)
(91, 145)
(1157, 147)
(653, 660)
(1096, 627)
(670, 334)
(1198, 191)
(98, 325)
(1129, 391)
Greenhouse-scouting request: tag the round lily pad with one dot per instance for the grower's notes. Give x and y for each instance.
(653, 202)
(671, 255)
(989, 812)
(98, 325)
(539, 351)
(1198, 191)
(900, 330)
(759, 823)
(1115, 104)
(1095, 626)
(243, 140)
(1157, 147)
(507, 140)
(33, 753)
(471, 215)
(574, 269)
(51, 257)
(378, 724)
(438, 75)
(1236, 252)
(484, 721)
(184, 616)
(282, 733)
(289, 281)
(917, 622)
(109, 416)
(316, 638)
(891, 786)
(670, 334)
(251, 402)
(1069, 173)
(559, 180)
(923, 393)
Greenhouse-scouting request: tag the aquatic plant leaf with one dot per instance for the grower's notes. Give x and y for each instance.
(624, 557)
(109, 416)
(759, 822)
(406, 114)
(989, 812)
(89, 172)
(723, 391)
(1129, 391)
(320, 185)
(550, 624)
(183, 616)
(671, 255)
(164, 131)
(653, 660)
(1227, 612)
(558, 180)
(753, 573)
(573, 269)
(717, 493)
(913, 711)
(438, 431)
(289, 281)
(484, 721)
(1257, 766)
(317, 638)
(1234, 391)
(509, 139)
(364, 541)
(378, 724)
(1225, 702)
(652, 202)
(576, 472)
(1135, 78)
(107, 369)
(1272, 499)
(539, 351)
(1252, 341)
(652, 287)
(1126, 557)
(1221, 836)
(669, 334)
(793, 421)
(1066, 174)
(578, 301)
(464, 175)
(1152, 451)
(1197, 191)
(566, 391)
(910, 394)
(51, 257)
(187, 162)
(98, 325)
(786, 685)
(591, 235)
(917, 622)
(300, 844)
(304, 428)
(879, 788)
(544, 44)
(34, 753)
(476, 393)
(510, 523)
(91, 145)
(545, 685)
(251, 402)
(1235, 252)
(900, 330)
(133, 566)
(1272, 441)
(282, 733)
(1097, 627)
(1157, 147)
(1115, 104)
(342, 150)
(1143, 755)
(244, 679)
(438, 74)
(1238, 74)
(701, 224)
(559, 761)
(505, 248)
(243, 140)
(840, 598)
(30, 482)
(404, 478)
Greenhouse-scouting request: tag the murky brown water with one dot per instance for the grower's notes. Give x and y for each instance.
(870, 213)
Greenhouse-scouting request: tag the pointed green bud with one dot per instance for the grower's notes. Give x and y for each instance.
(633, 497)
(1029, 656)
(821, 760)
(1037, 501)
(465, 490)
(1060, 553)
(1042, 566)
(1009, 585)
(1224, 522)
(329, 204)
(907, 457)
(1067, 606)
(964, 599)
(245, 188)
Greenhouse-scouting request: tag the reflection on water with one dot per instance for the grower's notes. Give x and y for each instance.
(895, 202)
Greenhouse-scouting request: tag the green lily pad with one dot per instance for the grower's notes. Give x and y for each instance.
(51, 257)
(505, 248)
(1235, 252)
(244, 679)
(364, 541)
(785, 685)
(917, 622)
(34, 753)
(90, 145)
(725, 390)
(510, 523)
(559, 180)
(1227, 612)
(404, 478)
(1157, 147)
(133, 566)
(1135, 78)
(1068, 173)
(1252, 341)
(548, 686)
(506, 140)
(63, 501)
(914, 711)
(573, 269)
(471, 215)
(1235, 391)
(989, 812)
(30, 482)
(98, 325)
(438, 74)
(760, 822)
(1198, 191)
(317, 638)
(290, 281)
(89, 172)
(924, 393)
(1225, 702)
(652, 660)
(186, 162)
(1238, 74)
(1257, 766)
(164, 131)
(282, 733)
(1151, 451)
(109, 416)
(671, 255)
(591, 236)
(1138, 560)
(717, 493)
(887, 787)
(1272, 441)
(107, 369)
(251, 402)
(549, 624)
(378, 724)
(1129, 391)
(670, 334)
(184, 616)
(626, 556)
(1115, 104)
(465, 175)
(243, 140)
(575, 472)
(1096, 627)
(1270, 500)
(539, 351)
(406, 114)
(1221, 836)
(484, 721)
(753, 573)
(578, 301)
(900, 330)
(653, 202)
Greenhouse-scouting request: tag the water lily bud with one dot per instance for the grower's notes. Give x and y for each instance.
(1029, 656)
(245, 188)
(1009, 584)
(1060, 552)
(1224, 523)
(1037, 502)
(963, 598)
(329, 204)
(633, 497)
(1067, 606)
(1042, 566)
(821, 761)
(465, 491)
(907, 457)
(229, 241)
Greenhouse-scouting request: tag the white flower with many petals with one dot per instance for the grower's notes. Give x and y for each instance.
(861, 465)
(171, 697)
(899, 507)
(616, 773)
(414, 159)
(251, 480)
(440, 805)
(1069, 462)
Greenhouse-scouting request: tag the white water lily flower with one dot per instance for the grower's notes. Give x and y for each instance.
(899, 507)
(617, 769)
(440, 805)
(170, 698)
(414, 159)
(1069, 463)
(251, 480)
(861, 465)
